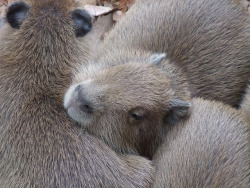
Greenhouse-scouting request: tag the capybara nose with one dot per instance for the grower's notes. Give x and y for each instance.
(83, 104)
(78, 88)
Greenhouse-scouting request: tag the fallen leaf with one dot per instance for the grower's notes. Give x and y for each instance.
(97, 10)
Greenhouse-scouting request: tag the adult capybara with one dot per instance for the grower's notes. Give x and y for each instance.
(40, 146)
(207, 41)
(210, 149)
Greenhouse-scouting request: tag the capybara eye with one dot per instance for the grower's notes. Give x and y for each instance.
(137, 117)
(137, 114)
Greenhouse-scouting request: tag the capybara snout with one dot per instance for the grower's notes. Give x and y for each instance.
(82, 101)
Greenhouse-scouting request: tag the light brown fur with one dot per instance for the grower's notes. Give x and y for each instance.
(210, 149)
(113, 94)
(130, 102)
(208, 41)
(40, 145)
(207, 147)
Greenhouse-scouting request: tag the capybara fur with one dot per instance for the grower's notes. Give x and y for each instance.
(41, 44)
(134, 98)
(210, 149)
(245, 104)
(123, 103)
(193, 143)
(209, 41)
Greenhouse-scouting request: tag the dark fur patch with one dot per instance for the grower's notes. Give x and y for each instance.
(16, 14)
(82, 22)
(179, 110)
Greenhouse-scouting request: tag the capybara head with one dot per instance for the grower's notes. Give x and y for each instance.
(126, 105)
(43, 40)
(20, 12)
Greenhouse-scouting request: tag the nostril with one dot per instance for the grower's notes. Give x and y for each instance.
(86, 108)
(78, 88)
(82, 103)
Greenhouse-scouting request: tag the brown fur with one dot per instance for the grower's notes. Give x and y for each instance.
(245, 104)
(113, 94)
(40, 146)
(243, 3)
(210, 149)
(207, 40)
(207, 43)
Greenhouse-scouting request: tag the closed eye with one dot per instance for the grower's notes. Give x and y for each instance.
(137, 117)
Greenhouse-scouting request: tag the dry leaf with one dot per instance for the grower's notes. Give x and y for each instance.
(123, 5)
(97, 10)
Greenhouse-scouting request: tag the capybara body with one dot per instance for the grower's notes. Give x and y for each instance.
(193, 142)
(210, 149)
(137, 100)
(207, 40)
(40, 145)
(183, 49)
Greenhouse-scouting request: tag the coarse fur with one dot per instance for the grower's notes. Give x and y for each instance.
(206, 45)
(208, 41)
(134, 99)
(245, 104)
(106, 102)
(193, 142)
(40, 145)
(130, 110)
(210, 149)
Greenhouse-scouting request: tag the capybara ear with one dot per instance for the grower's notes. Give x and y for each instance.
(178, 110)
(16, 14)
(157, 58)
(82, 22)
